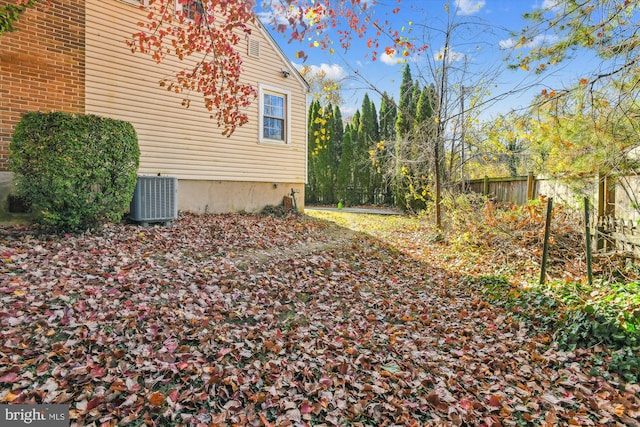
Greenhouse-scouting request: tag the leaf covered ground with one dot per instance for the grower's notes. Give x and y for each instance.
(262, 321)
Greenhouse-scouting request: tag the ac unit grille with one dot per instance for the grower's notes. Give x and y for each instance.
(155, 199)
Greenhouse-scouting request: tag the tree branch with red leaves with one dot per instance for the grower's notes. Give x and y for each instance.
(209, 32)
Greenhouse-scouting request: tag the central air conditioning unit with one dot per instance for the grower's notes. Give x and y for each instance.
(155, 199)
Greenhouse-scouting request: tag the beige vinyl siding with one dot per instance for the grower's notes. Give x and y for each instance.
(185, 142)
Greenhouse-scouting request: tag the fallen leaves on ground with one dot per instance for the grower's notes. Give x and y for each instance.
(262, 321)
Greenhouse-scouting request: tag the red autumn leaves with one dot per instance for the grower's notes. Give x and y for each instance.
(253, 320)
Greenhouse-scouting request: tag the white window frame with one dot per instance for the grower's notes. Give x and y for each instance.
(144, 3)
(179, 8)
(272, 90)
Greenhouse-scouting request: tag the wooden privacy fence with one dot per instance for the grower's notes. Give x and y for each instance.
(614, 234)
(611, 204)
(517, 189)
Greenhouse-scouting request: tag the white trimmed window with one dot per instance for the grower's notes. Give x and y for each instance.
(190, 8)
(275, 111)
(144, 3)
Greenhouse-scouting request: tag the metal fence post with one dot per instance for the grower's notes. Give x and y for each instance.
(545, 247)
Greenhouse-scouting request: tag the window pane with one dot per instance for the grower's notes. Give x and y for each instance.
(273, 128)
(193, 8)
(274, 106)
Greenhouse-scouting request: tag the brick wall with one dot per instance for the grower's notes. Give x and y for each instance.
(41, 65)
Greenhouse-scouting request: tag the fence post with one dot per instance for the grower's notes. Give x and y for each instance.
(587, 236)
(601, 213)
(612, 204)
(545, 245)
(609, 202)
(610, 196)
(530, 185)
(485, 187)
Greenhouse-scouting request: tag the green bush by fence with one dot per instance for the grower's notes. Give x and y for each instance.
(78, 171)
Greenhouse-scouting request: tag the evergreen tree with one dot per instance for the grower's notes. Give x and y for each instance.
(355, 123)
(388, 117)
(426, 105)
(376, 172)
(327, 165)
(405, 123)
(404, 119)
(337, 134)
(415, 183)
(367, 138)
(384, 152)
(415, 129)
(412, 108)
(344, 185)
(311, 189)
(416, 138)
(368, 126)
(321, 172)
(424, 124)
(376, 125)
(357, 145)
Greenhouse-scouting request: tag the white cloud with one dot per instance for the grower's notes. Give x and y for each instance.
(468, 7)
(507, 44)
(385, 58)
(537, 41)
(331, 71)
(451, 56)
(271, 17)
(347, 111)
(281, 15)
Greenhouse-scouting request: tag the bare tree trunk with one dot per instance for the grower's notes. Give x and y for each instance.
(437, 173)
(437, 178)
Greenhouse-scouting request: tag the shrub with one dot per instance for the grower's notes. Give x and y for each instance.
(78, 171)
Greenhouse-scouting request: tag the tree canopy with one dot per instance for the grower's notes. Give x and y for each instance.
(589, 126)
(209, 32)
(608, 28)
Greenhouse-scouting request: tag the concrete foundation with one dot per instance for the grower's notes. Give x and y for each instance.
(198, 196)
(232, 196)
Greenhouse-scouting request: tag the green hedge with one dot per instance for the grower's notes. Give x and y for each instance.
(78, 171)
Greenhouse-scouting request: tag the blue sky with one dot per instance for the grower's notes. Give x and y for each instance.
(480, 43)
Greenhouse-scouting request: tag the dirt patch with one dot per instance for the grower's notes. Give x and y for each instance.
(333, 237)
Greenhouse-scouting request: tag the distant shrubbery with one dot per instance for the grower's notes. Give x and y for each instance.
(78, 171)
